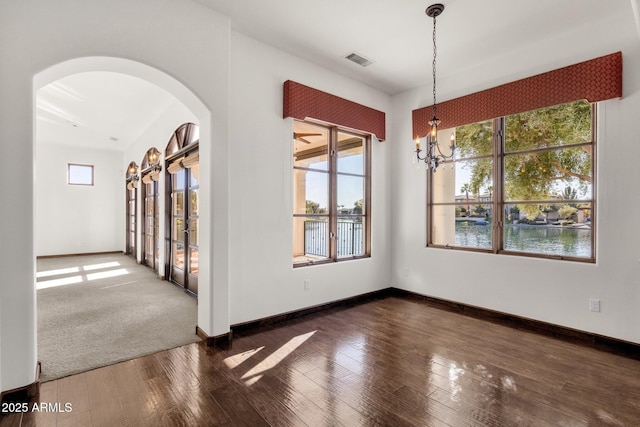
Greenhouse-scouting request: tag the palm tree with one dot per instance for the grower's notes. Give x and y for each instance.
(570, 193)
(465, 189)
(490, 190)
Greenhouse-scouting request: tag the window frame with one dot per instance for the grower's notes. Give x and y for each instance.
(499, 203)
(149, 195)
(131, 209)
(333, 214)
(69, 175)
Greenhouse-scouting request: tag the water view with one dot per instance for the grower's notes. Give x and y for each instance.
(541, 239)
(551, 240)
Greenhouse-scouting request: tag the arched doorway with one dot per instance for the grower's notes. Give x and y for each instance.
(150, 53)
(205, 313)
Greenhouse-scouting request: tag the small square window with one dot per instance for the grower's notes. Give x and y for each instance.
(79, 174)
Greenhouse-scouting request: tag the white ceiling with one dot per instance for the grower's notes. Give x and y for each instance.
(492, 40)
(480, 44)
(104, 109)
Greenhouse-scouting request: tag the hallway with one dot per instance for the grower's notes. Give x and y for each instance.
(95, 310)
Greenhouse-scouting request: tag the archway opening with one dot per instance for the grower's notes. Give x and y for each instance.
(62, 108)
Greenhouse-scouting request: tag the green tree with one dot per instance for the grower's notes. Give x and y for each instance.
(476, 140)
(357, 206)
(530, 174)
(314, 207)
(465, 189)
(567, 211)
(570, 193)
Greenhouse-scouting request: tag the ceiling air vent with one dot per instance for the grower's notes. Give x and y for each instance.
(359, 59)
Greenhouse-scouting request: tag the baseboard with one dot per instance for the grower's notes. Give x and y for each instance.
(255, 325)
(26, 393)
(600, 342)
(79, 254)
(221, 341)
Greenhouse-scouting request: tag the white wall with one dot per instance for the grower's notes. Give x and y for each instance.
(72, 219)
(263, 280)
(246, 178)
(53, 39)
(546, 290)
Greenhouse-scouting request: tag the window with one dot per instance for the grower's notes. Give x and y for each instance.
(521, 184)
(331, 185)
(79, 174)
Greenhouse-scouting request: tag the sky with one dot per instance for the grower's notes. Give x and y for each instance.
(80, 174)
(350, 189)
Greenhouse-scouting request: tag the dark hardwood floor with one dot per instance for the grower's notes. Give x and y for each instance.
(389, 362)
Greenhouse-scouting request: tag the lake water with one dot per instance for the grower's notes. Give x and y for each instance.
(528, 238)
(538, 239)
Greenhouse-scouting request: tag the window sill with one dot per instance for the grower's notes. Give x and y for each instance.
(329, 261)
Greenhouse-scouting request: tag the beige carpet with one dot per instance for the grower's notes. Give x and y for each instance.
(97, 310)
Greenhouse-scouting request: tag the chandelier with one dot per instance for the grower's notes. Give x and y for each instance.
(433, 156)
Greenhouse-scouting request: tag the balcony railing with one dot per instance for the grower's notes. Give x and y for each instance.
(349, 238)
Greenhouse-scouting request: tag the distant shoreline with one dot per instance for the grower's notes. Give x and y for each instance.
(487, 221)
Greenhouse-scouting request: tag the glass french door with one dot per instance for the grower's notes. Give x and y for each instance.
(131, 220)
(184, 228)
(151, 253)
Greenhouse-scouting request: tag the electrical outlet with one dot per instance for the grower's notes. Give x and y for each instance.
(307, 284)
(594, 305)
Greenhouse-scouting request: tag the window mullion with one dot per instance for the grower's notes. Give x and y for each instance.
(594, 176)
(498, 184)
(367, 196)
(333, 193)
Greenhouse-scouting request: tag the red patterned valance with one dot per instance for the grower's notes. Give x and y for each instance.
(595, 80)
(301, 102)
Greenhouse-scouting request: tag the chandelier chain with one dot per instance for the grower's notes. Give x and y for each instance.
(433, 155)
(434, 68)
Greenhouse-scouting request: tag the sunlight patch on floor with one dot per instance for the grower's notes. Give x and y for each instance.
(252, 381)
(236, 360)
(57, 272)
(78, 278)
(105, 274)
(59, 282)
(276, 357)
(101, 266)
